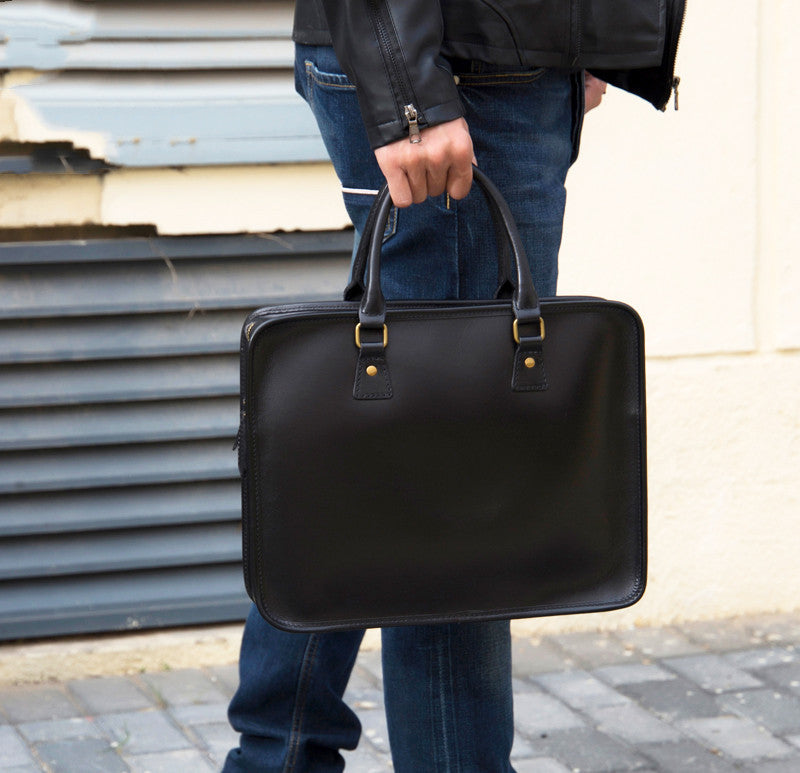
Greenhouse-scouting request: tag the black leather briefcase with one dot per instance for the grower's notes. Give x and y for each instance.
(437, 461)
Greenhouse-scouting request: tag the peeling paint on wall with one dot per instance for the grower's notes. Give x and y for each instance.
(152, 84)
(20, 119)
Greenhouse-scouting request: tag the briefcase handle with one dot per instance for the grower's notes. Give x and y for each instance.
(505, 287)
(525, 300)
(373, 380)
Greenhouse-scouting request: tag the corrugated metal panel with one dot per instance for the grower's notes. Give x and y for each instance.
(119, 498)
(142, 119)
(161, 84)
(149, 34)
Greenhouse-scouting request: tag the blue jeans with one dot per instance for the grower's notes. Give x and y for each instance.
(447, 688)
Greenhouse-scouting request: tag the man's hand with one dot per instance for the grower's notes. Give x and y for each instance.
(595, 88)
(441, 161)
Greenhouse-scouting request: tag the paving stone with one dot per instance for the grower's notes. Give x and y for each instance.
(373, 728)
(184, 686)
(218, 737)
(225, 677)
(59, 730)
(659, 642)
(143, 732)
(712, 673)
(775, 766)
(363, 760)
(633, 673)
(787, 675)
(521, 748)
(737, 737)
(520, 685)
(593, 649)
(536, 714)
(200, 714)
(686, 757)
(774, 710)
(675, 699)
(581, 690)
(755, 660)
(540, 765)
(362, 693)
(183, 761)
(538, 657)
(720, 635)
(633, 724)
(28, 703)
(590, 752)
(13, 751)
(109, 695)
(775, 629)
(89, 755)
(368, 664)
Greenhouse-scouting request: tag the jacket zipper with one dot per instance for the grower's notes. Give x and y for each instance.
(399, 77)
(578, 39)
(674, 35)
(413, 123)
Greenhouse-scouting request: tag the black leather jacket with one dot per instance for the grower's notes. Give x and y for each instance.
(398, 53)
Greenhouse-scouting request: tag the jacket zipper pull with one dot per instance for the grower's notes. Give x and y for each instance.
(676, 81)
(412, 116)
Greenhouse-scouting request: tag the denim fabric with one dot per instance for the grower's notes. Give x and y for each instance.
(447, 688)
(289, 707)
(525, 126)
(447, 691)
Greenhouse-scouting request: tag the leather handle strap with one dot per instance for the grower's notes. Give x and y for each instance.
(354, 291)
(525, 300)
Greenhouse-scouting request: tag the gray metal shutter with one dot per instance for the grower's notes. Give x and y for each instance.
(119, 496)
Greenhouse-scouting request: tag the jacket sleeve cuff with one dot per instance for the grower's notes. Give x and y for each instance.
(383, 133)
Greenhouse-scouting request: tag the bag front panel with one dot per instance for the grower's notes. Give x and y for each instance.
(456, 498)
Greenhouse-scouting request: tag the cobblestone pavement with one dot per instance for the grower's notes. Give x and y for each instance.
(700, 698)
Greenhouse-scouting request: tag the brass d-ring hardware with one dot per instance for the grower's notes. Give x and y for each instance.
(385, 335)
(516, 329)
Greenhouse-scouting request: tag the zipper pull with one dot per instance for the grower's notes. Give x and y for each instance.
(676, 81)
(412, 116)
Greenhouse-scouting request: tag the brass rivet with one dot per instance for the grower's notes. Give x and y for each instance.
(529, 362)
(372, 370)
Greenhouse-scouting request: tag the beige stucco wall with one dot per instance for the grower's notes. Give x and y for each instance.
(691, 217)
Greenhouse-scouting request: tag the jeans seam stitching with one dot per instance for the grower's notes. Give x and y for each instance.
(314, 76)
(309, 658)
(451, 686)
(309, 92)
(442, 709)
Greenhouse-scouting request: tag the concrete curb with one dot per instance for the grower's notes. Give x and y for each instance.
(121, 654)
